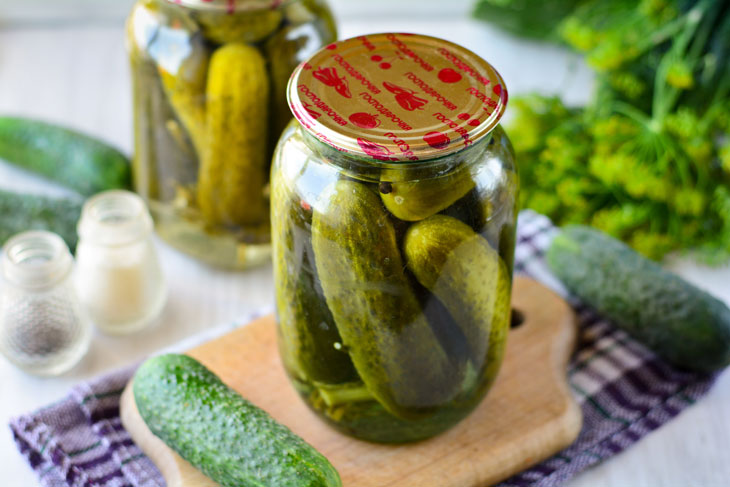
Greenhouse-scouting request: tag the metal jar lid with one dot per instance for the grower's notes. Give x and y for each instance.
(397, 97)
(230, 6)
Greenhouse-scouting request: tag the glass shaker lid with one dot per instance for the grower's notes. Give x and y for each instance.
(35, 259)
(397, 97)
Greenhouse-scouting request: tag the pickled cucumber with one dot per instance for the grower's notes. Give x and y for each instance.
(152, 111)
(178, 50)
(467, 275)
(411, 199)
(245, 26)
(283, 51)
(394, 350)
(234, 163)
(307, 331)
(475, 209)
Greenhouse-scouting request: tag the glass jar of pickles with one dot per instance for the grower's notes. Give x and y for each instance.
(394, 210)
(209, 88)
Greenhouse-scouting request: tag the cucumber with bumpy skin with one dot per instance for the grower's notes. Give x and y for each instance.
(309, 26)
(78, 161)
(246, 26)
(307, 330)
(681, 323)
(467, 275)
(23, 212)
(391, 343)
(413, 200)
(234, 163)
(219, 432)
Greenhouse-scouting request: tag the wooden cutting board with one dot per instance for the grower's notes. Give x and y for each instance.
(527, 416)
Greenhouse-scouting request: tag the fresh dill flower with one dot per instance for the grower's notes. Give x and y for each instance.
(612, 53)
(689, 202)
(613, 126)
(700, 150)
(627, 84)
(725, 158)
(548, 203)
(684, 122)
(680, 76)
(579, 35)
(659, 10)
(619, 221)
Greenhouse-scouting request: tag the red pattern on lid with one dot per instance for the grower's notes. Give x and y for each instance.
(397, 97)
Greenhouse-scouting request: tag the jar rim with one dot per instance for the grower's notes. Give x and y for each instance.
(36, 259)
(114, 218)
(397, 97)
(232, 6)
(437, 164)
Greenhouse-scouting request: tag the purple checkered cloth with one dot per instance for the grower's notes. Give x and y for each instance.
(624, 390)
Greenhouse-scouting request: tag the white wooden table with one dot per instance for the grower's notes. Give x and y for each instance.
(64, 61)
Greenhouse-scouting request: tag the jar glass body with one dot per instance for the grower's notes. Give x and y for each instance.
(121, 288)
(118, 274)
(209, 94)
(43, 328)
(393, 282)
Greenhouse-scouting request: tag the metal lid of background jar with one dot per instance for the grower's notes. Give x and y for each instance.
(231, 6)
(397, 97)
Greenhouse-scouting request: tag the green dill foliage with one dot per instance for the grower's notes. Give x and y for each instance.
(648, 160)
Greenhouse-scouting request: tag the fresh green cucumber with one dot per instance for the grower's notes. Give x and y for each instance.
(75, 160)
(229, 439)
(681, 323)
(22, 212)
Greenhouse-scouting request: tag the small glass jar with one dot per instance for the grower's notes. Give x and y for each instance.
(394, 213)
(209, 81)
(118, 275)
(43, 329)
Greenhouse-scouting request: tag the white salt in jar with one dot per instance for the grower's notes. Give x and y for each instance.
(118, 276)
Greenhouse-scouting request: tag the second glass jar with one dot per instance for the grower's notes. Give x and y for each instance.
(209, 88)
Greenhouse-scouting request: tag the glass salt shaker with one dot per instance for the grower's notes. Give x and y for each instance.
(43, 329)
(118, 276)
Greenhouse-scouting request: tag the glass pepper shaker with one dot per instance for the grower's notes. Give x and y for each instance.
(43, 329)
(119, 279)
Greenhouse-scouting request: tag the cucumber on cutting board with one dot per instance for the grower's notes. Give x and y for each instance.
(223, 435)
(75, 160)
(22, 212)
(681, 323)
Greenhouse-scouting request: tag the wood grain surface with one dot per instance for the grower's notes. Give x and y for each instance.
(528, 415)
